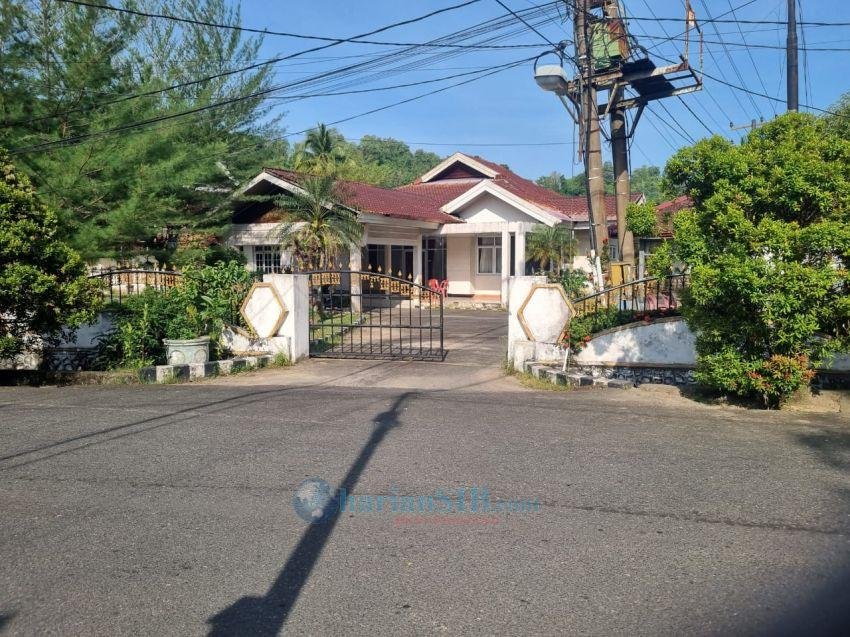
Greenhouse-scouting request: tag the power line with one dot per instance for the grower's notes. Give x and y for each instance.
(249, 67)
(460, 144)
(746, 45)
(511, 11)
(378, 109)
(301, 36)
(487, 26)
(684, 134)
(738, 21)
(775, 99)
(155, 120)
(735, 68)
(696, 117)
(238, 28)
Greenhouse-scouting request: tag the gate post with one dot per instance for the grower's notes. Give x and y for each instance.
(355, 264)
(294, 289)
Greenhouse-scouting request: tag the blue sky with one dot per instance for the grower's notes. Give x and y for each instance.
(508, 108)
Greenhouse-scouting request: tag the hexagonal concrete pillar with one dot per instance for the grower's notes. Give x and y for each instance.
(263, 310)
(545, 314)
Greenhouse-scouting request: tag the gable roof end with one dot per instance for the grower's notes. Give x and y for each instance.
(466, 160)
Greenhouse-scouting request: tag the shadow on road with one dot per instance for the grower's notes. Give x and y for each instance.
(4, 620)
(266, 615)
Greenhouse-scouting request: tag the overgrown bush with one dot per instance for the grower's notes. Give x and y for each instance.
(768, 245)
(202, 304)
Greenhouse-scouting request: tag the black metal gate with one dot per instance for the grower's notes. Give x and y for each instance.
(374, 315)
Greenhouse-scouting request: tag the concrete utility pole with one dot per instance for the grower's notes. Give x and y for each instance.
(590, 131)
(793, 102)
(620, 157)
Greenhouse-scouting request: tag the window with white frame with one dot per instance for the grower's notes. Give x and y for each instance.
(267, 259)
(489, 255)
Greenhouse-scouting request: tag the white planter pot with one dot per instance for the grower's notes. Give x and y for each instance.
(182, 352)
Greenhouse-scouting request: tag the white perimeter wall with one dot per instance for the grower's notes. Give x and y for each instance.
(666, 341)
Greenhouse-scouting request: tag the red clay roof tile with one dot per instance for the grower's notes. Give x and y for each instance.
(422, 201)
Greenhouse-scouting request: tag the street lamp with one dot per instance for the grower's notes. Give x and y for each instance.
(551, 77)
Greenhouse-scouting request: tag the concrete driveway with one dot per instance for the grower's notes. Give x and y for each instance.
(168, 510)
(476, 341)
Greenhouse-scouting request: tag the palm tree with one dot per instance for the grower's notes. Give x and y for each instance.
(550, 246)
(321, 151)
(316, 229)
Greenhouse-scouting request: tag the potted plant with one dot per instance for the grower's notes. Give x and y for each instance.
(187, 339)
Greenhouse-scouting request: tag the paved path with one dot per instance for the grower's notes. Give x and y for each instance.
(166, 510)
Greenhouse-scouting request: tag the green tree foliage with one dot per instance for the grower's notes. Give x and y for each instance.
(67, 70)
(642, 220)
(768, 244)
(646, 180)
(838, 119)
(43, 283)
(316, 229)
(393, 160)
(380, 161)
(322, 152)
(550, 246)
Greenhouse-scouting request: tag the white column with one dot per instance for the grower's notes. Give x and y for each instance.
(295, 291)
(506, 264)
(355, 264)
(355, 257)
(417, 261)
(519, 252)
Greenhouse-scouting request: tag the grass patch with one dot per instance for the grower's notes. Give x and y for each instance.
(280, 360)
(531, 381)
(327, 333)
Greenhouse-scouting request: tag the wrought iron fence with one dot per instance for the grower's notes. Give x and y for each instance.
(646, 296)
(118, 284)
(356, 314)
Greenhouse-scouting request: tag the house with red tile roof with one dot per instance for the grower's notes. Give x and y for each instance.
(464, 221)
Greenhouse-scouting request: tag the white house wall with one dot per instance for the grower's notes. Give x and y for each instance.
(253, 234)
(490, 209)
(459, 251)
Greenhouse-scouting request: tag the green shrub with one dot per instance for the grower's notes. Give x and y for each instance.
(574, 282)
(660, 262)
(141, 323)
(582, 328)
(768, 246)
(641, 220)
(771, 382)
(202, 304)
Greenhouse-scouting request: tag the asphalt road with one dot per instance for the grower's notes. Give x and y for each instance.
(168, 510)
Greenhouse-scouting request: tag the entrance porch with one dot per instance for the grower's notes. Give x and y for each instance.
(479, 258)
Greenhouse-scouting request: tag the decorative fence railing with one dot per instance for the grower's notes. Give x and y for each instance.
(119, 284)
(646, 296)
